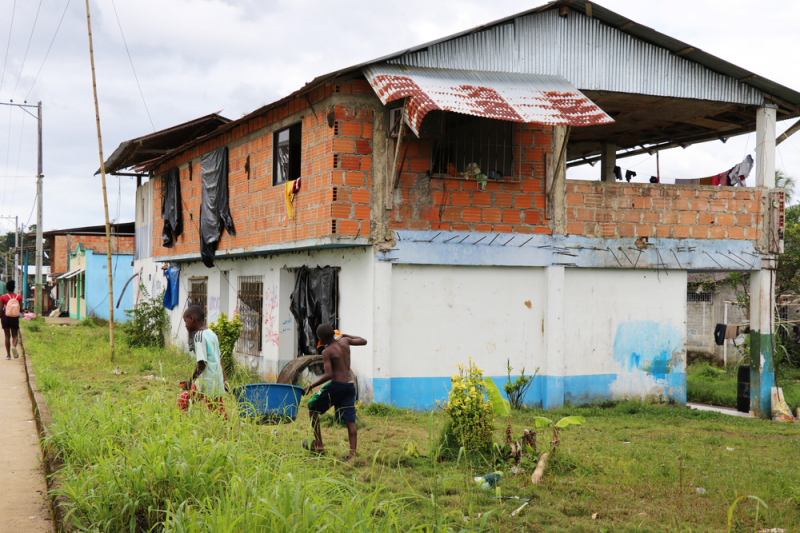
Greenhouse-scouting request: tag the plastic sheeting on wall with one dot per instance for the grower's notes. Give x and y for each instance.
(171, 209)
(313, 302)
(214, 211)
(172, 293)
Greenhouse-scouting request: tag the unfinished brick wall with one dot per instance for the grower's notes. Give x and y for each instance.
(63, 245)
(426, 203)
(617, 210)
(336, 164)
(60, 259)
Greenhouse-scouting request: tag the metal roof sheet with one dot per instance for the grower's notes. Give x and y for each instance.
(70, 274)
(531, 98)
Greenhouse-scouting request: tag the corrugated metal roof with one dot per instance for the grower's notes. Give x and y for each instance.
(590, 54)
(528, 98)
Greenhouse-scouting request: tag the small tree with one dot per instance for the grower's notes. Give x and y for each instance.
(148, 321)
(227, 332)
(517, 389)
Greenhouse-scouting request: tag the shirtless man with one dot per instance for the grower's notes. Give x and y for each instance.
(338, 392)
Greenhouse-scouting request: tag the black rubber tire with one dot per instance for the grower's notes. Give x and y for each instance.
(293, 369)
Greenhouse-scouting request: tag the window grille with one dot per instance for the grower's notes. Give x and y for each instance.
(250, 306)
(198, 293)
(698, 297)
(286, 156)
(488, 143)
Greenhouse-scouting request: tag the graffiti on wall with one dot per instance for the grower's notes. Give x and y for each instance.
(271, 325)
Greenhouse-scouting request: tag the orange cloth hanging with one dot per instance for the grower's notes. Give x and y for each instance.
(288, 196)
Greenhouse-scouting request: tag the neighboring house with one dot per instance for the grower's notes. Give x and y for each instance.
(585, 281)
(80, 269)
(709, 297)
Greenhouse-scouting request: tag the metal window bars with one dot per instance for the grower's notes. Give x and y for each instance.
(250, 307)
(698, 296)
(465, 139)
(198, 293)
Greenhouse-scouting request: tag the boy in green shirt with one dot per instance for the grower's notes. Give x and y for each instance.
(208, 376)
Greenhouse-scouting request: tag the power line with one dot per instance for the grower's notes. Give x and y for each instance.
(26, 50)
(8, 45)
(48, 50)
(32, 208)
(19, 155)
(132, 67)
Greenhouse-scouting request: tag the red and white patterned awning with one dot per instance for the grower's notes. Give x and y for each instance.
(530, 98)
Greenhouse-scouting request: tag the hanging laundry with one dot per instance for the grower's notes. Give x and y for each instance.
(731, 332)
(629, 174)
(739, 173)
(171, 294)
(720, 332)
(618, 173)
(288, 197)
(298, 183)
(171, 210)
(214, 211)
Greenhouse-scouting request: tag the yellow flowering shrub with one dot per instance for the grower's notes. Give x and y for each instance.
(469, 409)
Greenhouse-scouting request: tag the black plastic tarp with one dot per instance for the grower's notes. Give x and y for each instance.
(313, 302)
(214, 211)
(171, 208)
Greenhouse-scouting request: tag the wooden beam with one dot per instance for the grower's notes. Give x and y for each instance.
(782, 103)
(748, 78)
(627, 26)
(563, 11)
(794, 128)
(684, 51)
(589, 9)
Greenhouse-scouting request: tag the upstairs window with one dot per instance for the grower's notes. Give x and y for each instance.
(287, 144)
(469, 143)
(198, 293)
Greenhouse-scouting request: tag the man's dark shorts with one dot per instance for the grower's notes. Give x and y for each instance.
(340, 396)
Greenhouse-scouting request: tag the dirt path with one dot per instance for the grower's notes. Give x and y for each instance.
(22, 487)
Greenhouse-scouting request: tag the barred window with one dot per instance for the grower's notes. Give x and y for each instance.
(698, 296)
(471, 144)
(250, 305)
(198, 293)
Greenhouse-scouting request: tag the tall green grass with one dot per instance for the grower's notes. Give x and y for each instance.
(135, 463)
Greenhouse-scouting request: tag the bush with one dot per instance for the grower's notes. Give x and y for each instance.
(470, 412)
(517, 389)
(147, 321)
(227, 332)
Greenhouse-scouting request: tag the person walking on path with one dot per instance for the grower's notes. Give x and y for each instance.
(339, 391)
(10, 306)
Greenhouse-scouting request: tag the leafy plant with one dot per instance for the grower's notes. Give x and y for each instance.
(227, 332)
(470, 412)
(516, 390)
(759, 503)
(147, 321)
(500, 405)
(542, 422)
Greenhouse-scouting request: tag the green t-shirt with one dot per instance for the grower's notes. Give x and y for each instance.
(206, 348)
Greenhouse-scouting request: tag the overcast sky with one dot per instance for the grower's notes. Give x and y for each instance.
(194, 57)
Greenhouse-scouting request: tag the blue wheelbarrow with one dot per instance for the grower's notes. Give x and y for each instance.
(269, 403)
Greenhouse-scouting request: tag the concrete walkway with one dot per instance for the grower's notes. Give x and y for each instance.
(716, 409)
(23, 508)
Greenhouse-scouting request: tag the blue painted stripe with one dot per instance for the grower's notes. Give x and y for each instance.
(423, 392)
(508, 249)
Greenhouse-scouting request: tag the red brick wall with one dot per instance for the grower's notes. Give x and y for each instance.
(614, 210)
(66, 244)
(336, 172)
(457, 205)
(60, 259)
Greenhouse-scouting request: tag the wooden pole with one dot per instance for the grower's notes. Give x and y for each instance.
(105, 196)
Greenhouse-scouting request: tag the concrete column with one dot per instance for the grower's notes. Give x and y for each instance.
(558, 193)
(608, 160)
(762, 282)
(553, 393)
(382, 332)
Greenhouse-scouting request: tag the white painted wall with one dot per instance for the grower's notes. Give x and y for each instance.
(612, 314)
(278, 330)
(442, 315)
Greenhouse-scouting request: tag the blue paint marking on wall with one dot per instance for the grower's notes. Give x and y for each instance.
(422, 393)
(480, 249)
(652, 347)
(97, 285)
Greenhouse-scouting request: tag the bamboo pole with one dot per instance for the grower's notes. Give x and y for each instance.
(105, 196)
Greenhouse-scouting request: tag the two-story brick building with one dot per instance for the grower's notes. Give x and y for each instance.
(433, 181)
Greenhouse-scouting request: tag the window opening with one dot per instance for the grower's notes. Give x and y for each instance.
(250, 306)
(198, 293)
(286, 156)
(467, 140)
(698, 297)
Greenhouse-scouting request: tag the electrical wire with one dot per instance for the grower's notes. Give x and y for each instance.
(26, 50)
(8, 44)
(8, 156)
(32, 208)
(19, 155)
(48, 51)
(132, 67)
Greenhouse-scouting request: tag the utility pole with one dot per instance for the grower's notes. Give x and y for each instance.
(37, 306)
(105, 197)
(16, 255)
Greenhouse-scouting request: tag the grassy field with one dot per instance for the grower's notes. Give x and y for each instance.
(133, 463)
(715, 386)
